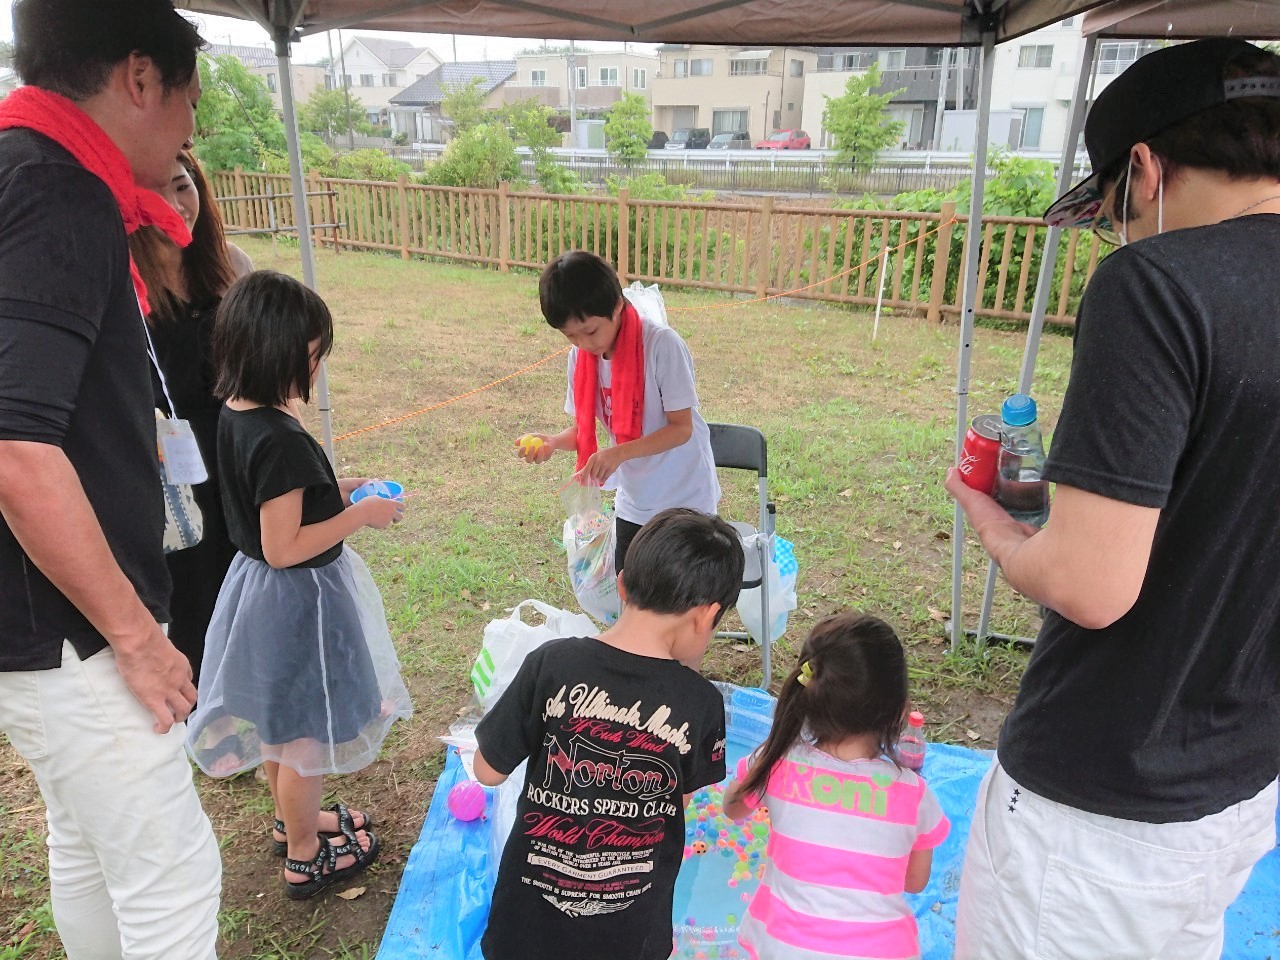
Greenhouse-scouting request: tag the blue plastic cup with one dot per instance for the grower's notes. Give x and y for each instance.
(386, 489)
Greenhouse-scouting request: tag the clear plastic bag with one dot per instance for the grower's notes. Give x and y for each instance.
(781, 582)
(589, 541)
(648, 302)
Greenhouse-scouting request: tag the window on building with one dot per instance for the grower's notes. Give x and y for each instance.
(1115, 56)
(933, 56)
(346, 80)
(777, 119)
(1035, 56)
(681, 68)
(639, 78)
(1032, 124)
(748, 68)
(857, 61)
(389, 80)
(728, 121)
(581, 74)
(537, 78)
(700, 68)
(1068, 23)
(797, 68)
(366, 79)
(271, 82)
(609, 77)
(894, 59)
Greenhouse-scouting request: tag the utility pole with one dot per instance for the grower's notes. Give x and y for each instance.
(573, 99)
(942, 98)
(346, 93)
(455, 48)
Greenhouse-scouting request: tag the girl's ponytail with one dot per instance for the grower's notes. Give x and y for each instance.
(790, 717)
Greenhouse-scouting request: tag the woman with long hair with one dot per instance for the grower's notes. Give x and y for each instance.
(185, 287)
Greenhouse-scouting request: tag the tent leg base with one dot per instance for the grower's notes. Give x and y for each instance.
(1001, 637)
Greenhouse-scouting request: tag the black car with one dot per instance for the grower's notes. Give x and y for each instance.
(689, 138)
(658, 140)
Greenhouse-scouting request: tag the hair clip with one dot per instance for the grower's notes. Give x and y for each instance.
(806, 673)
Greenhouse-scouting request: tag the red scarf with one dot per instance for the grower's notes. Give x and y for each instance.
(59, 119)
(627, 385)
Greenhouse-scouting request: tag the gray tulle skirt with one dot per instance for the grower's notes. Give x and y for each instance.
(298, 668)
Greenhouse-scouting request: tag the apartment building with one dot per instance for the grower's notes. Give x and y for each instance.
(261, 62)
(598, 79)
(1035, 77)
(731, 88)
(375, 69)
(916, 74)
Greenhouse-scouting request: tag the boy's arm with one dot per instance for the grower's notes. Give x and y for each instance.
(601, 466)
(566, 440)
(919, 865)
(485, 773)
(737, 804)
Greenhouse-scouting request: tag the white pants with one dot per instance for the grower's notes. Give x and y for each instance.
(134, 869)
(1046, 881)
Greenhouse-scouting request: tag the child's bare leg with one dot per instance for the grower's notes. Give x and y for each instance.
(327, 820)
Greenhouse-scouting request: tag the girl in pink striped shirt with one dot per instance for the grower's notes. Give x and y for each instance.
(852, 830)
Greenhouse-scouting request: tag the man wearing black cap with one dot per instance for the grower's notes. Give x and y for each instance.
(1135, 782)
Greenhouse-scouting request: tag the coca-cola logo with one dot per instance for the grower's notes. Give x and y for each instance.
(967, 463)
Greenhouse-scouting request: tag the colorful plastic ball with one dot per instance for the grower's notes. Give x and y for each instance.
(467, 800)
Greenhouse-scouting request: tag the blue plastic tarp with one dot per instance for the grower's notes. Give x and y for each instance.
(443, 903)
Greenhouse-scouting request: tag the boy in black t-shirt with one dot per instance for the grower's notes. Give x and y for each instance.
(618, 732)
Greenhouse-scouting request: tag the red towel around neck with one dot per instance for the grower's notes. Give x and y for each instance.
(59, 119)
(626, 383)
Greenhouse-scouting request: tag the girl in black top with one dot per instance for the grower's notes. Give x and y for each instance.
(297, 660)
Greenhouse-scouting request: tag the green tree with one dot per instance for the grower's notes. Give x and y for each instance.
(316, 155)
(369, 164)
(6, 53)
(463, 103)
(627, 130)
(858, 122)
(326, 112)
(481, 157)
(530, 123)
(236, 122)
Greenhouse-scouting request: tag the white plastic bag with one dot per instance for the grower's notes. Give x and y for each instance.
(648, 302)
(781, 583)
(509, 640)
(590, 541)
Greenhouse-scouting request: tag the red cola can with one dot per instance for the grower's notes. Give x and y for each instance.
(980, 455)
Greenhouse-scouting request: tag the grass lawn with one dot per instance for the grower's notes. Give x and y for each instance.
(859, 438)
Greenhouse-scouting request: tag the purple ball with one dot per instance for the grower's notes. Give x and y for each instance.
(466, 800)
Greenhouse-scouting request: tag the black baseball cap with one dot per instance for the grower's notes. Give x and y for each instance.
(1160, 90)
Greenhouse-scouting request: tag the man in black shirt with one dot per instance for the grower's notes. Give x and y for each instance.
(92, 693)
(1135, 782)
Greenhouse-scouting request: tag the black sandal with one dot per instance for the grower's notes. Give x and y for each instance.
(346, 828)
(323, 871)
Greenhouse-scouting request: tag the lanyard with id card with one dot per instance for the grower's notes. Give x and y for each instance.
(179, 451)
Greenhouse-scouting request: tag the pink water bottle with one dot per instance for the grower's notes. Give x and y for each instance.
(911, 745)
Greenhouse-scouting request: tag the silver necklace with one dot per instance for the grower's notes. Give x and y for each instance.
(1256, 203)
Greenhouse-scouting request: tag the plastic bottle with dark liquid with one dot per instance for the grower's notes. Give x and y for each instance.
(1020, 484)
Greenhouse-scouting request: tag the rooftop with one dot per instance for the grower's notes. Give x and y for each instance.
(432, 88)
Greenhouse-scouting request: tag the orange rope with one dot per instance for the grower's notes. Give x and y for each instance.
(711, 306)
(835, 276)
(461, 396)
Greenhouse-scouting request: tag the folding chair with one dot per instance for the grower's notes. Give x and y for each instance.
(736, 447)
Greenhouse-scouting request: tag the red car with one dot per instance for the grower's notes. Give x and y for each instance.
(785, 140)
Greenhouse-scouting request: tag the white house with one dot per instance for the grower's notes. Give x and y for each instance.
(8, 81)
(261, 62)
(376, 69)
(1035, 77)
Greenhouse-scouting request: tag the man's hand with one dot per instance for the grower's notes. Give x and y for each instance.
(159, 676)
(989, 520)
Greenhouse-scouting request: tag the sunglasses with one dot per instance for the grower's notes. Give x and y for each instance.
(1104, 226)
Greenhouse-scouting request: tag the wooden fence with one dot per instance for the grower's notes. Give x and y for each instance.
(845, 256)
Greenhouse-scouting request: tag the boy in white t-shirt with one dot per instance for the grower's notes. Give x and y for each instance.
(636, 377)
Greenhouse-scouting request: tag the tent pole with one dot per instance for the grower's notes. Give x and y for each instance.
(301, 213)
(969, 299)
(1040, 305)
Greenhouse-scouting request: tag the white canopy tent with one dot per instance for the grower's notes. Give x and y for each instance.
(766, 23)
